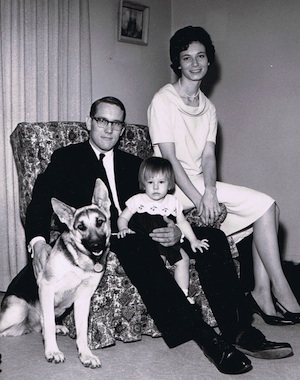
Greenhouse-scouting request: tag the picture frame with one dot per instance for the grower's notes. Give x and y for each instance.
(133, 25)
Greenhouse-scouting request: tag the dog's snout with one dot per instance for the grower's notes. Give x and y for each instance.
(94, 245)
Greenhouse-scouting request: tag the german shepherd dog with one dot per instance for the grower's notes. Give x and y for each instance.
(71, 274)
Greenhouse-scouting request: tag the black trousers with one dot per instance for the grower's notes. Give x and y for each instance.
(220, 283)
(174, 316)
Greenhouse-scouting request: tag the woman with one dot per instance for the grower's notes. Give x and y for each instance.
(183, 128)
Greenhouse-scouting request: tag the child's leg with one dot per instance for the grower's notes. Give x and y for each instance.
(181, 273)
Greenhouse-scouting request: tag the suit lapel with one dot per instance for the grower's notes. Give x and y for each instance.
(119, 168)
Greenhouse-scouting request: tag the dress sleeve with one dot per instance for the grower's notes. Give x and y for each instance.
(131, 203)
(213, 123)
(179, 208)
(160, 121)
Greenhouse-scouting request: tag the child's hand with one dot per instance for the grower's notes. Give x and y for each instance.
(121, 234)
(199, 244)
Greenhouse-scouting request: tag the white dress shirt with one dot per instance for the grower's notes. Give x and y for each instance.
(108, 163)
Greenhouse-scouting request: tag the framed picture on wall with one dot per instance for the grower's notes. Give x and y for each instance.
(133, 23)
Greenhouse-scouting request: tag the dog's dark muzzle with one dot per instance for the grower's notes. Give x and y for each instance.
(99, 250)
(95, 247)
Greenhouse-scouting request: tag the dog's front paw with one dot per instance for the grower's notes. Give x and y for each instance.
(55, 356)
(90, 360)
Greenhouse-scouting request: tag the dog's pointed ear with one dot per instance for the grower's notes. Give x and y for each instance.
(63, 211)
(101, 197)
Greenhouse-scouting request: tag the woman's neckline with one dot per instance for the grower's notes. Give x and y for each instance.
(187, 95)
(182, 101)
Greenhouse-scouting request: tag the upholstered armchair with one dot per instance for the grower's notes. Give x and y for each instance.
(117, 311)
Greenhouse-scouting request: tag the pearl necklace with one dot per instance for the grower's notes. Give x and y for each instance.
(187, 95)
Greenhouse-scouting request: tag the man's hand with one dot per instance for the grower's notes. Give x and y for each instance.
(166, 236)
(41, 251)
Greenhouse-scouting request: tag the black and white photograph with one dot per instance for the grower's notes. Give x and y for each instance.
(149, 198)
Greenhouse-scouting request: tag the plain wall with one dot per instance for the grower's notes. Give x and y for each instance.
(257, 96)
(133, 73)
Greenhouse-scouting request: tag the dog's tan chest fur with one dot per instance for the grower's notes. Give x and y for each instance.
(65, 280)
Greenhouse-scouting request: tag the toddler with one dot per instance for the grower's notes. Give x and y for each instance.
(156, 179)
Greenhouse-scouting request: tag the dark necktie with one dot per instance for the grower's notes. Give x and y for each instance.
(113, 209)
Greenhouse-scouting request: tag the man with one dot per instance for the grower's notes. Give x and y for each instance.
(70, 177)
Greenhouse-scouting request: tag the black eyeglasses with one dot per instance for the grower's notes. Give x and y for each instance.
(103, 123)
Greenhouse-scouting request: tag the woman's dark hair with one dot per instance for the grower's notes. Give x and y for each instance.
(153, 166)
(109, 100)
(181, 41)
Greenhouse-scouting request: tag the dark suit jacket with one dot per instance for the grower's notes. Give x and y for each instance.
(70, 177)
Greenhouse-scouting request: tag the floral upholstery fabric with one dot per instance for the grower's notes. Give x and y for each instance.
(117, 311)
(193, 218)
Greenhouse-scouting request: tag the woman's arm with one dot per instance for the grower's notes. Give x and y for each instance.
(181, 178)
(207, 204)
(209, 208)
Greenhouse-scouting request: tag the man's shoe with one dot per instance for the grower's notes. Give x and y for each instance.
(252, 342)
(225, 357)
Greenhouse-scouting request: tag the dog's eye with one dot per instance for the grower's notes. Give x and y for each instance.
(81, 227)
(99, 222)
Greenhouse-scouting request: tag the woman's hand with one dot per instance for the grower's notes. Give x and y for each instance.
(166, 236)
(209, 208)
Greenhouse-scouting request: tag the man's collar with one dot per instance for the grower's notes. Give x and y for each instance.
(97, 151)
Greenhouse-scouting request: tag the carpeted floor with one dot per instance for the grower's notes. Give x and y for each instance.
(149, 359)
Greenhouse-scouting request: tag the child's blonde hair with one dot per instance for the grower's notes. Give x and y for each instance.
(153, 166)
